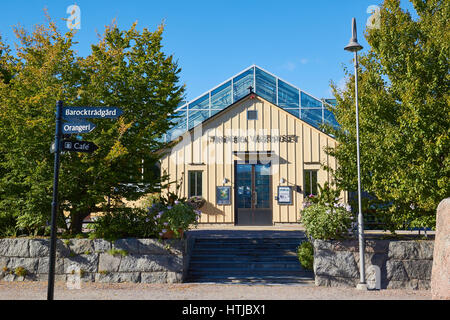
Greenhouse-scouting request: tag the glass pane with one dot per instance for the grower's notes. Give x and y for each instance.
(201, 103)
(262, 185)
(288, 96)
(241, 84)
(314, 182)
(330, 119)
(199, 184)
(312, 116)
(307, 186)
(310, 102)
(221, 96)
(197, 117)
(179, 121)
(244, 185)
(266, 86)
(191, 183)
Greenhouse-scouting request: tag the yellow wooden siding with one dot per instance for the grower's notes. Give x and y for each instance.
(216, 160)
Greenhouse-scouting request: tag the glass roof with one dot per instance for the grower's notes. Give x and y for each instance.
(279, 92)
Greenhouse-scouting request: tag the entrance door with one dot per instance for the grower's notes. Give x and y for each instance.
(253, 192)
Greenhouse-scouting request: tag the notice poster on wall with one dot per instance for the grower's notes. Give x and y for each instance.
(223, 195)
(284, 195)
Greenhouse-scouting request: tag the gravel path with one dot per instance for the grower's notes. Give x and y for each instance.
(195, 291)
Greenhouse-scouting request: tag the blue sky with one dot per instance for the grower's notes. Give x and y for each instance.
(299, 41)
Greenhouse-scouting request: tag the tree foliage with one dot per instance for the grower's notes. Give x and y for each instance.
(404, 114)
(126, 69)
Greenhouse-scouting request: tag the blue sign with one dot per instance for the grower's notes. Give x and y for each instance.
(91, 112)
(79, 146)
(77, 127)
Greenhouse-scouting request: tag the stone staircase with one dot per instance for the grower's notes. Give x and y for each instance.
(247, 260)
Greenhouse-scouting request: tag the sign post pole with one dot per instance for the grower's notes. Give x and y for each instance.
(51, 271)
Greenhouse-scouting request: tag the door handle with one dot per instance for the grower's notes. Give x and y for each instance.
(255, 198)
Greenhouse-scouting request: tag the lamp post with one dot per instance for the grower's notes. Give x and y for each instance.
(354, 46)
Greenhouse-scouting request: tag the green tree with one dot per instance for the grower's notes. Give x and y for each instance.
(126, 69)
(404, 114)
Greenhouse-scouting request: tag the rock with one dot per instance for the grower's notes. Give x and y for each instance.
(395, 271)
(30, 264)
(153, 246)
(39, 248)
(81, 246)
(85, 262)
(130, 245)
(43, 265)
(336, 264)
(154, 277)
(144, 263)
(101, 245)
(113, 277)
(108, 262)
(440, 277)
(14, 247)
(161, 277)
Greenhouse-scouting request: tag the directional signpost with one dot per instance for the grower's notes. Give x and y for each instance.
(79, 126)
(79, 146)
(74, 126)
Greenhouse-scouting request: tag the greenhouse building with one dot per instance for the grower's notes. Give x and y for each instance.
(252, 148)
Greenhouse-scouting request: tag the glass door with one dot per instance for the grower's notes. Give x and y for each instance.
(253, 194)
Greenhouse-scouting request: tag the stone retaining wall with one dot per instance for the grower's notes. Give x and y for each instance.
(403, 264)
(134, 260)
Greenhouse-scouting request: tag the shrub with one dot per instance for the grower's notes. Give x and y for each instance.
(305, 254)
(20, 272)
(327, 222)
(179, 216)
(124, 223)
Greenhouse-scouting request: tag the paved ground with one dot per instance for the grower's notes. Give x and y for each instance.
(188, 291)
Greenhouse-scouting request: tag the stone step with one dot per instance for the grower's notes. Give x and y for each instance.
(246, 265)
(249, 240)
(306, 280)
(244, 252)
(241, 257)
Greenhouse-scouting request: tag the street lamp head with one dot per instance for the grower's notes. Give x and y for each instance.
(353, 45)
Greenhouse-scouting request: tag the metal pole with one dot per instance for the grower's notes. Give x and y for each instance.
(51, 270)
(362, 272)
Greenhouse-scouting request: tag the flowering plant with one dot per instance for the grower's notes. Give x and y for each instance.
(196, 202)
(325, 217)
(177, 217)
(323, 222)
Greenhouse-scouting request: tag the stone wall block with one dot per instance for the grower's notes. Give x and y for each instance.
(154, 277)
(418, 269)
(109, 262)
(153, 246)
(337, 264)
(322, 245)
(403, 250)
(43, 265)
(101, 245)
(130, 245)
(144, 263)
(30, 264)
(14, 247)
(86, 262)
(396, 271)
(81, 246)
(118, 277)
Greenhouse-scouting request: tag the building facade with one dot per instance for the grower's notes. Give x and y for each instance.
(252, 160)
